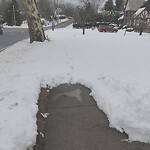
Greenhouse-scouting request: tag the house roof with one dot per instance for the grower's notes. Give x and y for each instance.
(121, 18)
(134, 4)
(139, 11)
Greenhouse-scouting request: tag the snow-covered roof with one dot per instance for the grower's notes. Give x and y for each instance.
(120, 18)
(134, 4)
(139, 11)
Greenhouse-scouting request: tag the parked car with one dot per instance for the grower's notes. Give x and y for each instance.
(1, 31)
(62, 17)
(107, 27)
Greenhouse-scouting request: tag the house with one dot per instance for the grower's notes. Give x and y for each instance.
(131, 7)
(141, 18)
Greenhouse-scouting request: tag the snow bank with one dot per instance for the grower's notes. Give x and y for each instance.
(115, 67)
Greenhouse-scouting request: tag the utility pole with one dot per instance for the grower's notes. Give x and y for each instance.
(54, 15)
(14, 16)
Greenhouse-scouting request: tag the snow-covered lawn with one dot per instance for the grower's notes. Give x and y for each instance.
(115, 67)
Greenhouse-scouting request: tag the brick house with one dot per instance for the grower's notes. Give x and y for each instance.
(141, 18)
(131, 7)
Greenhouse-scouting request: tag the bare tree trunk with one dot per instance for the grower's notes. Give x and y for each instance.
(141, 31)
(36, 31)
(83, 30)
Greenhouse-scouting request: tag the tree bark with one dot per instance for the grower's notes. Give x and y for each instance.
(83, 30)
(141, 31)
(36, 31)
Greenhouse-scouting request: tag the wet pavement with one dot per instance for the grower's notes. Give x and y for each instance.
(76, 123)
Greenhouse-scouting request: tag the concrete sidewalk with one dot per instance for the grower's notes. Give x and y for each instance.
(75, 123)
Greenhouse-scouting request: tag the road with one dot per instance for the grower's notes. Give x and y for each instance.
(76, 123)
(11, 35)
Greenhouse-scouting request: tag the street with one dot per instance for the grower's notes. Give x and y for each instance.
(13, 35)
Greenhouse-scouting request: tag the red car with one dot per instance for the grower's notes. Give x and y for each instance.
(107, 27)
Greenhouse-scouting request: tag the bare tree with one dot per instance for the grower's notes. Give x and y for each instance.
(95, 3)
(86, 12)
(36, 31)
(68, 8)
(3, 6)
(46, 8)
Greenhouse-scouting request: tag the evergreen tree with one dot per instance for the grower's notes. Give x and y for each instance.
(147, 4)
(119, 5)
(109, 5)
(12, 14)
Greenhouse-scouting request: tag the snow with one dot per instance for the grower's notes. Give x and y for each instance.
(44, 115)
(139, 11)
(115, 67)
(45, 23)
(120, 18)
